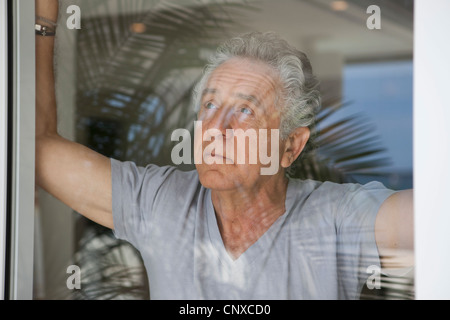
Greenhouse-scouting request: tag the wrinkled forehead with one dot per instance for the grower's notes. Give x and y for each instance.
(243, 77)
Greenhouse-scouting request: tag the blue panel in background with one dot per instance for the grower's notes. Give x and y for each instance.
(383, 91)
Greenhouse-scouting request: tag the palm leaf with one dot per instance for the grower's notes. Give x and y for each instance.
(134, 90)
(342, 148)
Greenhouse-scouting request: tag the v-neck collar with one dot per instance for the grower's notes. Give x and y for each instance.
(255, 250)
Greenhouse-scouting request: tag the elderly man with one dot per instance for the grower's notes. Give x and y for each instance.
(225, 230)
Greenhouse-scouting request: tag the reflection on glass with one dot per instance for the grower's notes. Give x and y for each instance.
(134, 68)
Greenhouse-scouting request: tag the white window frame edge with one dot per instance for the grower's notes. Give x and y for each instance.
(3, 140)
(431, 149)
(23, 153)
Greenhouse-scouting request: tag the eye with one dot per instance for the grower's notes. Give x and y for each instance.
(246, 110)
(210, 106)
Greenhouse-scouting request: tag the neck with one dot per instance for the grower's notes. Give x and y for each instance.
(243, 215)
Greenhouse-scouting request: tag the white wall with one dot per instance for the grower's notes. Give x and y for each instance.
(432, 149)
(3, 141)
(22, 153)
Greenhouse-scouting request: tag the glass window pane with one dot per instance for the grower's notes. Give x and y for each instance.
(124, 84)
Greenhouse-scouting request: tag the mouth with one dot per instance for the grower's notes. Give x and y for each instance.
(226, 160)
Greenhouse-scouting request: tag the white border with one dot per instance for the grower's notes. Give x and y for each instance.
(22, 189)
(432, 148)
(431, 135)
(3, 138)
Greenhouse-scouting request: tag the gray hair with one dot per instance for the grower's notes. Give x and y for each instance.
(300, 93)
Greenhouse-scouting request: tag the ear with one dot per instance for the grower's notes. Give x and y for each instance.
(294, 145)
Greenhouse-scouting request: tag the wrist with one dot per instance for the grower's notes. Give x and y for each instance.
(46, 17)
(43, 30)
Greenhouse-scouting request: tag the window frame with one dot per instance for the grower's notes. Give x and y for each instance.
(3, 142)
(19, 214)
(431, 151)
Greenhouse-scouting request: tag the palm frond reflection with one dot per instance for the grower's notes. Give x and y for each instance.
(135, 76)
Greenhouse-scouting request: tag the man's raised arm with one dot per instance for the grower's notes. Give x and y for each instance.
(76, 175)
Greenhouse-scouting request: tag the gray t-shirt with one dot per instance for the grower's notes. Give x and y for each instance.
(320, 248)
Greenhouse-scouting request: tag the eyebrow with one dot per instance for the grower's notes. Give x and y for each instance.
(247, 97)
(208, 91)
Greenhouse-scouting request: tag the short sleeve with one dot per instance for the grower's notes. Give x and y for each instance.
(356, 245)
(134, 192)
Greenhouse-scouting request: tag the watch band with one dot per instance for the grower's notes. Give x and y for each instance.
(44, 30)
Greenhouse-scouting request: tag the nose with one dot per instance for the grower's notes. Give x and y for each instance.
(222, 121)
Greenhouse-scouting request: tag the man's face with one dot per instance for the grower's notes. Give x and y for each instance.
(239, 97)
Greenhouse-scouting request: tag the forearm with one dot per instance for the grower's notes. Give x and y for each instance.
(46, 117)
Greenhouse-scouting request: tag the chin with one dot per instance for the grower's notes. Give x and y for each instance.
(216, 180)
(217, 177)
